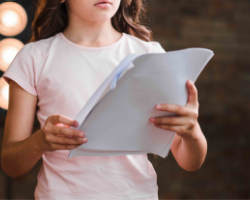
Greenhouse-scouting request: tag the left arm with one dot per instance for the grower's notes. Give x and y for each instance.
(189, 146)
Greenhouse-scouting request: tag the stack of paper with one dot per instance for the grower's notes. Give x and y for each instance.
(116, 118)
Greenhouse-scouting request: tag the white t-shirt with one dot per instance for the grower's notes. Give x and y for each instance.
(64, 75)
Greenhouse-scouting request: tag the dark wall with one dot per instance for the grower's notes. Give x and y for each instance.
(223, 88)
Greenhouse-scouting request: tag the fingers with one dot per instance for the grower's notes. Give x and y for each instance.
(178, 109)
(180, 130)
(168, 120)
(59, 130)
(192, 93)
(65, 141)
(176, 129)
(55, 119)
(67, 131)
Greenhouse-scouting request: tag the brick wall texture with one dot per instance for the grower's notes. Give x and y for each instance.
(223, 88)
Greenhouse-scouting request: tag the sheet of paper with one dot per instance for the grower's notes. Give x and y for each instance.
(116, 121)
(103, 89)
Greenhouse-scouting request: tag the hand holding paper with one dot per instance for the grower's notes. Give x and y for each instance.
(116, 118)
(185, 123)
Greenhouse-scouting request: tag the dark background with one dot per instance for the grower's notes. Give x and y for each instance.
(223, 88)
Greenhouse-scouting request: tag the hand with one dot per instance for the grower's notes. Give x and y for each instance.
(185, 124)
(57, 134)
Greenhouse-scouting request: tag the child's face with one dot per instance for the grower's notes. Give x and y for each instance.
(86, 9)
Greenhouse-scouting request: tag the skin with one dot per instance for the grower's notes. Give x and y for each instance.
(21, 149)
(90, 25)
(189, 146)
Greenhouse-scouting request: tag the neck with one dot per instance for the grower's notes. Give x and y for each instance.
(91, 33)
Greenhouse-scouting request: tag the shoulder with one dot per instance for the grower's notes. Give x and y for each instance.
(42, 46)
(37, 47)
(34, 53)
(156, 47)
(149, 46)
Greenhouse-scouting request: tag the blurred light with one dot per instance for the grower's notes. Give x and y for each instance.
(4, 94)
(8, 54)
(10, 18)
(13, 19)
(8, 49)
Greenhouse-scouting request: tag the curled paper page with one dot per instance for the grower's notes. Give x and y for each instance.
(116, 118)
(102, 90)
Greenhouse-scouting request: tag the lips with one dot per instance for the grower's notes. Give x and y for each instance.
(103, 1)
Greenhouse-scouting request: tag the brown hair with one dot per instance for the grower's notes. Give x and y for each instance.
(51, 18)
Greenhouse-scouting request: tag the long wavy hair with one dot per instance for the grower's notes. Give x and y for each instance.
(51, 18)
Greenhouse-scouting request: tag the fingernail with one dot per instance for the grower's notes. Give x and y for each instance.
(76, 124)
(152, 119)
(81, 134)
(84, 139)
(158, 106)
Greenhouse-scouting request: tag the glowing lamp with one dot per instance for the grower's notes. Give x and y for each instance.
(4, 94)
(13, 19)
(8, 49)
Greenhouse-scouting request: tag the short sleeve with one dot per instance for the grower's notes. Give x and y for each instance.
(156, 47)
(22, 69)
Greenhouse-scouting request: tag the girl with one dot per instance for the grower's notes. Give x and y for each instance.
(75, 45)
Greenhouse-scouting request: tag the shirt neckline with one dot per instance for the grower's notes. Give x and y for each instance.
(92, 48)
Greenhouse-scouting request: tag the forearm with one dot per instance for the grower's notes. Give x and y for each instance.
(191, 153)
(18, 158)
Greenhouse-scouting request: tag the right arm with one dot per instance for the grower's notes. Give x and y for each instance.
(21, 149)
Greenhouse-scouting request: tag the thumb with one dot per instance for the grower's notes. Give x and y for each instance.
(192, 93)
